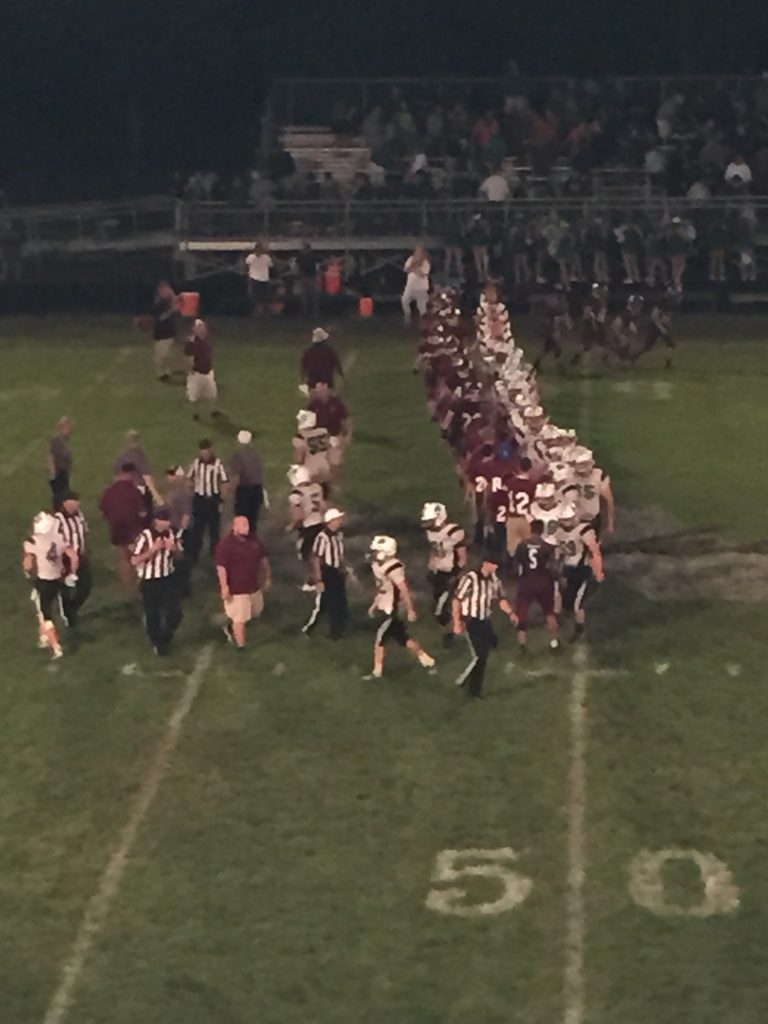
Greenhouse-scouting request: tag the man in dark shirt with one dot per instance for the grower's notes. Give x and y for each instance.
(142, 471)
(246, 473)
(244, 574)
(319, 362)
(125, 509)
(306, 264)
(536, 571)
(60, 461)
(201, 382)
(165, 317)
(332, 414)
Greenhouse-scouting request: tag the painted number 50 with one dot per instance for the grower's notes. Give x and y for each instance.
(459, 866)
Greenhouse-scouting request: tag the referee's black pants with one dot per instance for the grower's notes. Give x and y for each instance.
(162, 610)
(482, 640)
(331, 602)
(206, 517)
(73, 598)
(59, 487)
(248, 501)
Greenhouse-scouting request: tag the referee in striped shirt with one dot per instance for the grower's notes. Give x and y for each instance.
(73, 530)
(154, 556)
(329, 575)
(477, 593)
(209, 477)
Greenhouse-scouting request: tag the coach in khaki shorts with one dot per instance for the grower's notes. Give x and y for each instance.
(244, 575)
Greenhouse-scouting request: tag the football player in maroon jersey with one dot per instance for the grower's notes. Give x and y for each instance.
(536, 568)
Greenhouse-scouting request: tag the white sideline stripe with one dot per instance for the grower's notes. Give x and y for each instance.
(100, 904)
(577, 854)
(13, 465)
(576, 923)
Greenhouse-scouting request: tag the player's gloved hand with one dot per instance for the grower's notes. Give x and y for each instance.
(71, 580)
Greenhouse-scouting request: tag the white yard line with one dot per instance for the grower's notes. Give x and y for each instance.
(98, 908)
(27, 451)
(577, 852)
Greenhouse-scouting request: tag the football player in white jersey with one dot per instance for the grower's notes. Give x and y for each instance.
(311, 447)
(43, 562)
(392, 591)
(544, 508)
(590, 491)
(447, 557)
(582, 561)
(307, 506)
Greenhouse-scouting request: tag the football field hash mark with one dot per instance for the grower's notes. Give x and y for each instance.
(98, 908)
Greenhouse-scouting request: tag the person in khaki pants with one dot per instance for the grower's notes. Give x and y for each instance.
(244, 574)
(165, 318)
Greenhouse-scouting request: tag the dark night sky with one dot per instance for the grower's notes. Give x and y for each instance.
(91, 86)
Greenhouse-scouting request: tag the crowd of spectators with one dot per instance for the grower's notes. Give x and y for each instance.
(697, 138)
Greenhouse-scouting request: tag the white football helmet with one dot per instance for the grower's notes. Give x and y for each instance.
(583, 460)
(298, 475)
(43, 524)
(433, 513)
(545, 495)
(566, 514)
(383, 547)
(306, 419)
(561, 473)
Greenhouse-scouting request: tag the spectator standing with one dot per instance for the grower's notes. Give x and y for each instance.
(518, 246)
(417, 269)
(454, 248)
(201, 380)
(479, 237)
(154, 556)
(596, 245)
(718, 239)
(209, 478)
(329, 575)
(655, 252)
(247, 479)
(319, 361)
(680, 244)
(60, 461)
(630, 239)
(244, 575)
(307, 266)
(126, 511)
(165, 321)
(258, 266)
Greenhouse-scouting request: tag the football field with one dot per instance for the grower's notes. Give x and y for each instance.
(263, 838)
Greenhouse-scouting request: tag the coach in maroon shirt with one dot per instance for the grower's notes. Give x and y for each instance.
(244, 574)
(125, 508)
(319, 362)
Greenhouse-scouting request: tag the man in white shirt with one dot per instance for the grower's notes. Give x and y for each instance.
(738, 173)
(495, 188)
(258, 264)
(417, 269)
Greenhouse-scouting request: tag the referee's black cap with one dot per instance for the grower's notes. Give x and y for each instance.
(162, 512)
(71, 496)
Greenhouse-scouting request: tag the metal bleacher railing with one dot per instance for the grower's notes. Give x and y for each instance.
(434, 218)
(166, 223)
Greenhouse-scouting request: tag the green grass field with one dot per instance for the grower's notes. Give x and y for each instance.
(272, 853)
